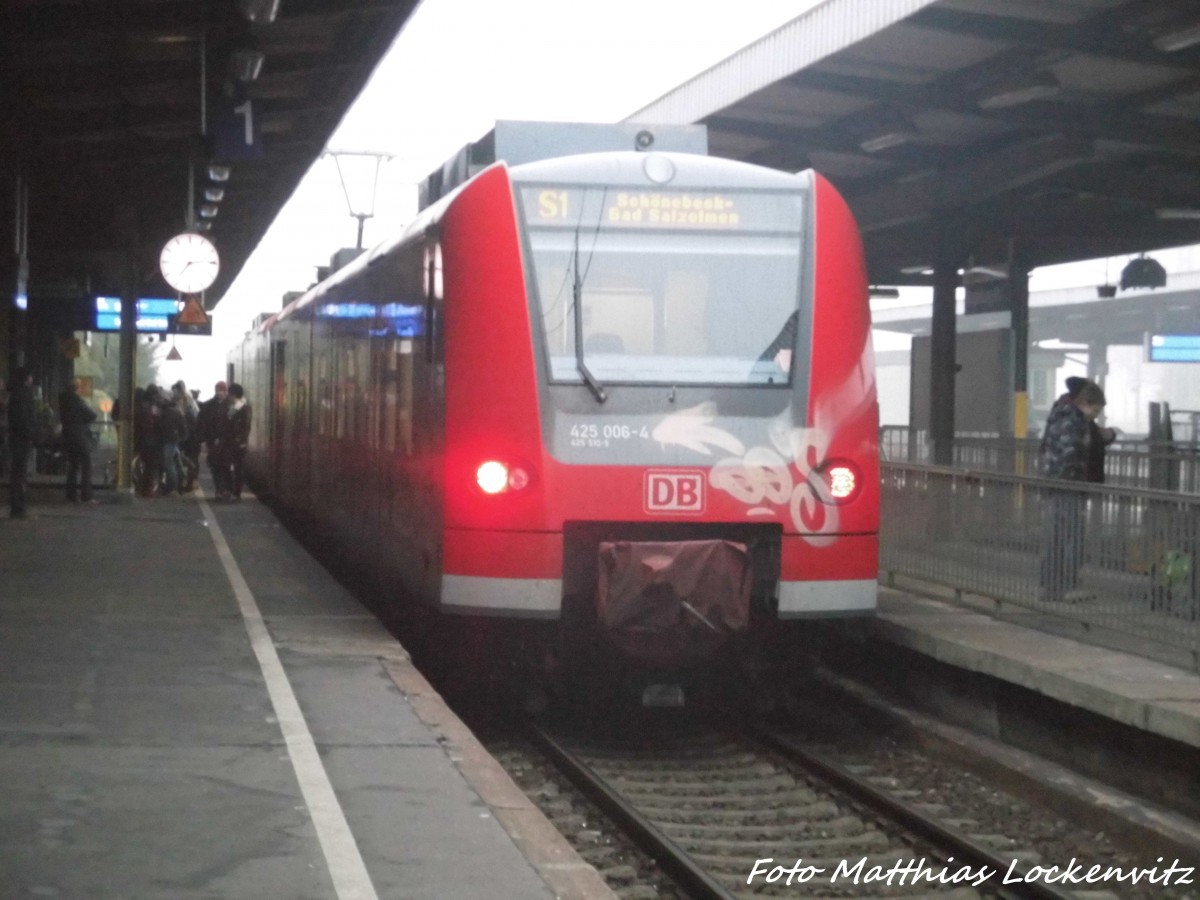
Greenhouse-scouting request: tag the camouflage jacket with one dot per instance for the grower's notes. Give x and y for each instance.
(1065, 443)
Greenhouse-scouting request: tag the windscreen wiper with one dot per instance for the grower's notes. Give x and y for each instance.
(577, 292)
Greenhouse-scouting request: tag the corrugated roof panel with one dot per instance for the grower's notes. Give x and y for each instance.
(818, 33)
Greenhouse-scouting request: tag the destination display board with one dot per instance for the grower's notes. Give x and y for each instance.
(1184, 348)
(153, 314)
(579, 207)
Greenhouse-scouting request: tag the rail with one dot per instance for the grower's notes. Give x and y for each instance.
(1156, 465)
(670, 856)
(1118, 564)
(959, 845)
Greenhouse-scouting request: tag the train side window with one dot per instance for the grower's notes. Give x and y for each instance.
(360, 357)
(341, 400)
(324, 397)
(403, 357)
(432, 287)
(384, 429)
(376, 388)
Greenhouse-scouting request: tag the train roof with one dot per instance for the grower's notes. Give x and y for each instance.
(666, 169)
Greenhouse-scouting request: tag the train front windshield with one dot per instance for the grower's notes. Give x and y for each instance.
(673, 286)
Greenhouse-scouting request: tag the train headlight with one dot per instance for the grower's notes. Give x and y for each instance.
(842, 483)
(839, 481)
(492, 477)
(496, 477)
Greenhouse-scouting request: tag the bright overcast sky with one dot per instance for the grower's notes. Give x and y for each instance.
(457, 67)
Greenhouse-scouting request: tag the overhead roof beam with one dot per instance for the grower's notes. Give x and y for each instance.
(831, 139)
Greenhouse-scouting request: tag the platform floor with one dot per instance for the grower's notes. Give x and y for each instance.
(191, 707)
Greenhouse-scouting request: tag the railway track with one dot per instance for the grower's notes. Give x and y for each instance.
(751, 814)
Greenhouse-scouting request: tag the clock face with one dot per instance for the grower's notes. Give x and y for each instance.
(189, 262)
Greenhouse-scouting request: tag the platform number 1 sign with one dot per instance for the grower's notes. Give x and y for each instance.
(236, 133)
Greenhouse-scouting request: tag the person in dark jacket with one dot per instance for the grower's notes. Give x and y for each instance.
(190, 445)
(212, 430)
(239, 437)
(21, 422)
(172, 431)
(76, 418)
(1066, 447)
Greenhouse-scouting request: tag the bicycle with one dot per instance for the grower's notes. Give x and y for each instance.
(187, 472)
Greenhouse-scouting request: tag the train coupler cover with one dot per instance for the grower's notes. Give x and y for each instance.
(672, 603)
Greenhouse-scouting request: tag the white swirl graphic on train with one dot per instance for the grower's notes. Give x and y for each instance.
(693, 428)
(764, 478)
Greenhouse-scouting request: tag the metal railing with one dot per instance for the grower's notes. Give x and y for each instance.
(1169, 466)
(1117, 563)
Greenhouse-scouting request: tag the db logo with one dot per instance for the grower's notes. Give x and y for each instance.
(677, 492)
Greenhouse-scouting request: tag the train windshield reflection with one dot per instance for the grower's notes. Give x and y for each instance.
(695, 306)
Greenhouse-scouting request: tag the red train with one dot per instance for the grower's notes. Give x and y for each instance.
(631, 391)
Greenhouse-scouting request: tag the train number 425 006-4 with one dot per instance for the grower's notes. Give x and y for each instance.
(609, 431)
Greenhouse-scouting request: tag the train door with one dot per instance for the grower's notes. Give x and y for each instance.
(278, 415)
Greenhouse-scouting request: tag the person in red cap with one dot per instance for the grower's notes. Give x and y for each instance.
(212, 429)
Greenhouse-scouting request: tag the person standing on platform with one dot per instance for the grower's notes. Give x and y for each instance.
(212, 430)
(172, 431)
(76, 418)
(21, 422)
(1066, 449)
(239, 437)
(190, 445)
(1100, 437)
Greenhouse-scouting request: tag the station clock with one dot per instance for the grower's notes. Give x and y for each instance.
(189, 262)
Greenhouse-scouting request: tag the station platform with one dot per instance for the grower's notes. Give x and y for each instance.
(191, 707)
(1149, 696)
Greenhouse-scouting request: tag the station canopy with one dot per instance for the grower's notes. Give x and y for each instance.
(962, 129)
(109, 104)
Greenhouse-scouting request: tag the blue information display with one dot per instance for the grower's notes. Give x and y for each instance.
(388, 319)
(1174, 348)
(153, 314)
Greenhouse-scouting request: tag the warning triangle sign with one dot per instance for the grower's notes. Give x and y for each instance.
(192, 313)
